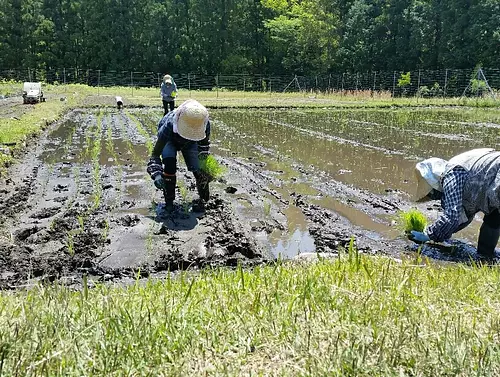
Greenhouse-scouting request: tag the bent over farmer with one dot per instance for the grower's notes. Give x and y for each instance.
(466, 184)
(186, 129)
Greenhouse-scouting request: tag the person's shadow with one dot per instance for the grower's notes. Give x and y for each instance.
(453, 251)
(181, 218)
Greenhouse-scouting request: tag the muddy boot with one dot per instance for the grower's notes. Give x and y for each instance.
(202, 186)
(487, 241)
(198, 205)
(169, 192)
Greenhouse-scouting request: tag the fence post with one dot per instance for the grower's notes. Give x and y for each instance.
(445, 82)
(329, 82)
(270, 85)
(374, 82)
(418, 84)
(98, 80)
(132, 82)
(342, 88)
(64, 76)
(393, 84)
(217, 84)
(357, 80)
(189, 84)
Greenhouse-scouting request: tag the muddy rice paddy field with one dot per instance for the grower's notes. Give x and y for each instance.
(298, 182)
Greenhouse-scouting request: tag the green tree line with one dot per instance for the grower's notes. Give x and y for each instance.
(249, 36)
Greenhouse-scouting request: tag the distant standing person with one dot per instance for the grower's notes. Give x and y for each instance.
(168, 92)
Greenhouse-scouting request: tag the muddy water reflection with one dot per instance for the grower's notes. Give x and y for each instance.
(374, 150)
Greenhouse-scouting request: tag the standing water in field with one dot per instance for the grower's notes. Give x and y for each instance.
(295, 182)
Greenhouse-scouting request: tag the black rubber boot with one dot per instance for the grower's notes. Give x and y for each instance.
(203, 192)
(202, 186)
(487, 241)
(169, 192)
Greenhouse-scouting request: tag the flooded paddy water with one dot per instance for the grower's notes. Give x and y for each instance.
(297, 182)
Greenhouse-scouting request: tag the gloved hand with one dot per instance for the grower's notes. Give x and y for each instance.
(205, 178)
(159, 182)
(203, 155)
(154, 167)
(418, 237)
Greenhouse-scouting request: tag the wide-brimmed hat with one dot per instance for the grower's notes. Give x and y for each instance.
(428, 174)
(191, 120)
(167, 79)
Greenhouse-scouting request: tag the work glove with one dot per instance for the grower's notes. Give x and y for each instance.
(418, 237)
(159, 182)
(203, 155)
(205, 178)
(154, 167)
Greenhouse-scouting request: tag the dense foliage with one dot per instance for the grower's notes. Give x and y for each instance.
(252, 36)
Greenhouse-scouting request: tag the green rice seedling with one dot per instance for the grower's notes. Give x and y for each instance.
(212, 167)
(412, 219)
(184, 194)
(70, 244)
(267, 208)
(81, 222)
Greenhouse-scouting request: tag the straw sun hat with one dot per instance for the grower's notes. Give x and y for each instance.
(167, 79)
(191, 120)
(428, 174)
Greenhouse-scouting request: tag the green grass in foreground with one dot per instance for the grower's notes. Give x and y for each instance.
(359, 316)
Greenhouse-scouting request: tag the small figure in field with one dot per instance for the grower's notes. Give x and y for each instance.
(466, 184)
(185, 129)
(168, 91)
(119, 102)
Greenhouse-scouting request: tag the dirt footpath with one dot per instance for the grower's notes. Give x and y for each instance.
(80, 203)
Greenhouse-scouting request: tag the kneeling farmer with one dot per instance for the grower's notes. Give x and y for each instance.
(467, 184)
(186, 129)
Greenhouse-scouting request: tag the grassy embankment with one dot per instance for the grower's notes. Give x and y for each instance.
(356, 316)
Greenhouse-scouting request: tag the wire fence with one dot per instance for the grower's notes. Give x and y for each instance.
(425, 83)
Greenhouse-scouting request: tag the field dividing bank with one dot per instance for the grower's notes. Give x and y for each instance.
(356, 316)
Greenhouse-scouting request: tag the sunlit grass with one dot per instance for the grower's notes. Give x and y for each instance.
(357, 315)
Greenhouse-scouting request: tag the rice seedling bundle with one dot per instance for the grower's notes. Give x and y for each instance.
(212, 167)
(412, 219)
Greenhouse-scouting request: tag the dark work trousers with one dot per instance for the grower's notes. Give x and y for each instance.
(166, 105)
(493, 219)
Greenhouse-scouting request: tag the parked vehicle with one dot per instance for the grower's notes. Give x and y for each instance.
(32, 92)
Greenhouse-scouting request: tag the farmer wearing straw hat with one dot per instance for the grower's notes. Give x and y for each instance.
(186, 129)
(466, 184)
(168, 91)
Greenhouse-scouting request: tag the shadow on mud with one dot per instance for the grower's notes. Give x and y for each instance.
(452, 251)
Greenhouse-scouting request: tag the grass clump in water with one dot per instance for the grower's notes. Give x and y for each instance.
(412, 219)
(212, 167)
